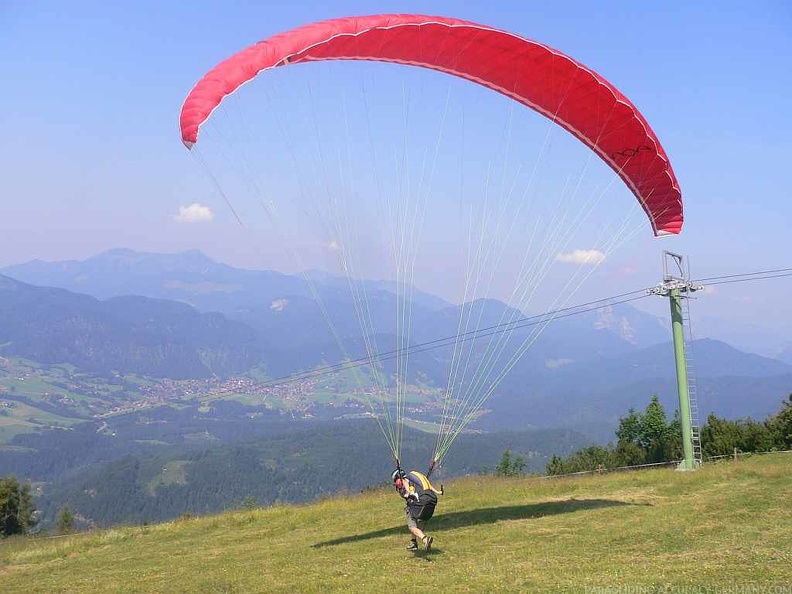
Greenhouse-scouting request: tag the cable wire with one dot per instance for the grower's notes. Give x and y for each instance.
(747, 277)
(703, 280)
(519, 323)
(446, 341)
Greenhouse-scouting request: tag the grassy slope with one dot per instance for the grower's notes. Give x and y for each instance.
(724, 525)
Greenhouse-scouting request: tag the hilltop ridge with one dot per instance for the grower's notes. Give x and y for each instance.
(726, 525)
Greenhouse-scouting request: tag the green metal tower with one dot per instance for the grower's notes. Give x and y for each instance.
(677, 287)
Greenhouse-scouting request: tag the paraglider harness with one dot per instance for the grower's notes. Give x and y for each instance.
(417, 490)
(424, 508)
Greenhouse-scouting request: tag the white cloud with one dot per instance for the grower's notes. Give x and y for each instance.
(195, 213)
(279, 304)
(590, 257)
(334, 246)
(556, 363)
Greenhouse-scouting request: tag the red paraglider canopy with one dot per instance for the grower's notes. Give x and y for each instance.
(544, 79)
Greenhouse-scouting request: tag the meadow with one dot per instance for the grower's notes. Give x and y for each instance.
(726, 525)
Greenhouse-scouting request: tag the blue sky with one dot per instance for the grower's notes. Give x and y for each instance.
(91, 159)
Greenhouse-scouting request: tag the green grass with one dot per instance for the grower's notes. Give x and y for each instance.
(20, 417)
(10, 430)
(726, 525)
(173, 473)
(45, 383)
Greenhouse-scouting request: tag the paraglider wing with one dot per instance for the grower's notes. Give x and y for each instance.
(542, 78)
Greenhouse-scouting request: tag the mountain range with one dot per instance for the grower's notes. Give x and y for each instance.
(132, 334)
(186, 316)
(91, 412)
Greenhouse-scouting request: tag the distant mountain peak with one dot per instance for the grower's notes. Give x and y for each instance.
(607, 319)
(130, 255)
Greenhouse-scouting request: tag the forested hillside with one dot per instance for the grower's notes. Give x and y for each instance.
(293, 466)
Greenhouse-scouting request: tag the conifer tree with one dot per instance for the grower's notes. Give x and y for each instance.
(16, 506)
(65, 521)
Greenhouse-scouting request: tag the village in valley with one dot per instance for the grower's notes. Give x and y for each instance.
(37, 394)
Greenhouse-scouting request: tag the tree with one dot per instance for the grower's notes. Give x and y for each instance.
(780, 426)
(678, 450)
(654, 424)
(648, 436)
(555, 466)
(630, 427)
(629, 453)
(16, 506)
(719, 437)
(588, 459)
(668, 444)
(65, 521)
(756, 436)
(510, 466)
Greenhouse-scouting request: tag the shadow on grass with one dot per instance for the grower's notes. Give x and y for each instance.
(487, 515)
